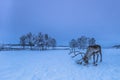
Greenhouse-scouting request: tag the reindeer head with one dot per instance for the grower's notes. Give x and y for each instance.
(85, 59)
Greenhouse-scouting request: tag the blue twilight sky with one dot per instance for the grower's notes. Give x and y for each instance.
(61, 19)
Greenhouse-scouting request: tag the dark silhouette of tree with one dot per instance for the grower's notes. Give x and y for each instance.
(73, 44)
(46, 37)
(1, 47)
(53, 42)
(23, 41)
(30, 40)
(40, 41)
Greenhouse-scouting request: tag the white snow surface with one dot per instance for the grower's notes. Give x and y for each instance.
(57, 65)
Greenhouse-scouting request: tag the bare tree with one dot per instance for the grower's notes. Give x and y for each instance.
(82, 42)
(30, 40)
(1, 47)
(73, 44)
(40, 41)
(46, 37)
(92, 41)
(23, 41)
(53, 42)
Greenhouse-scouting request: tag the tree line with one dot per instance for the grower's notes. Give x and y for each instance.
(39, 41)
(81, 43)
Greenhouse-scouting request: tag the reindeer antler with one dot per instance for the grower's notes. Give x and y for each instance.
(78, 54)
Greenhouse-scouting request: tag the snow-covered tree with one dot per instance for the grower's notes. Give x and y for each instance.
(92, 41)
(73, 44)
(39, 41)
(46, 37)
(82, 42)
(53, 42)
(30, 39)
(1, 47)
(23, 41)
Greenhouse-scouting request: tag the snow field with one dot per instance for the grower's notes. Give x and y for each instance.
(56, 65)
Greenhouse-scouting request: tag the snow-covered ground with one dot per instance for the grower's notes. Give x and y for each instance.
(56, 65)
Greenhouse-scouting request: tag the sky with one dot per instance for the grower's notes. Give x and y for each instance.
(61, 19)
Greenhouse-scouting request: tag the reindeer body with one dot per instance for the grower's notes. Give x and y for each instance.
(94, 50)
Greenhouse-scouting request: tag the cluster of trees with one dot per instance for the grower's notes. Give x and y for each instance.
(116, 46)
(1, 47)
(82, 42)
(39, 41)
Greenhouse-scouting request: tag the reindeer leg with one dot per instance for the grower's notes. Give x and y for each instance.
(93, 58)
(97, 58)
(100, 56)
(94, 63)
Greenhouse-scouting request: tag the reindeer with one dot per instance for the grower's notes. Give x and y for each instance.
(93, 50)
